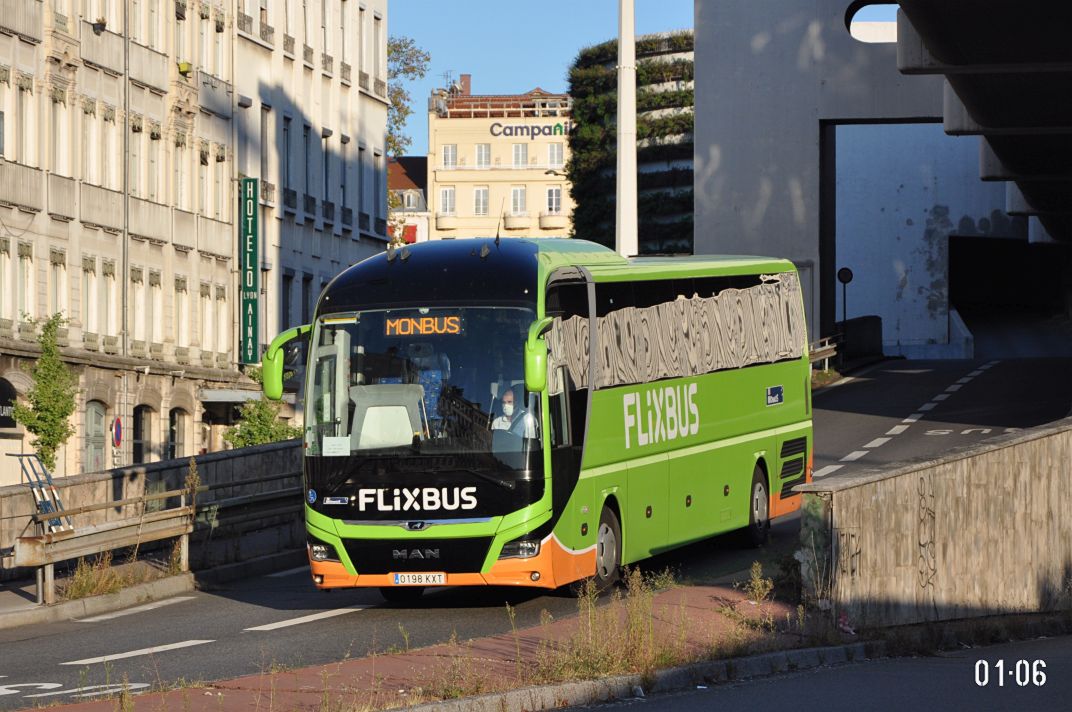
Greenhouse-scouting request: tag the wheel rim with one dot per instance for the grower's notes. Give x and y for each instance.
(759, 505)
(606, 551)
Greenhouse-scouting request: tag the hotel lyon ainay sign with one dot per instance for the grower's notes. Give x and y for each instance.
(248, 260)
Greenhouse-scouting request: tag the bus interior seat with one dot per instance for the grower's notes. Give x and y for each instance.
(385, 415)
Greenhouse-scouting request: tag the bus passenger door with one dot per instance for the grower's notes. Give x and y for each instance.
(647, 519)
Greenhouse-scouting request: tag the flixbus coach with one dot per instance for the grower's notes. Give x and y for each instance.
(538, 411)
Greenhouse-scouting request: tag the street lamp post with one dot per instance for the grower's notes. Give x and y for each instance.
(625, 226)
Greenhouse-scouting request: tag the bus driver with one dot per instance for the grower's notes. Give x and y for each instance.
(516, 420)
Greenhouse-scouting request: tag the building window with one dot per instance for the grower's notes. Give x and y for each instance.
(59, 137)
(202, 181)
(179, 179)
(360, 181)
(555, 155)
(57, 283)
(286, 152)
(344, 169)
(378, 194)
(223, 321)
(325, 153)
(285, 299)
(182, 313)
(22, 126)
(480, 200)
(176, 443)
(134, 157)
(306, 146)
(409, 200)
(93, 449)
(108, 306)
(89, 294)
(483, 155)
(137, 281)
(554, 199)
(450, 155)
(266, 149)
(377, 40)
(152, 178)
(517, 200)
(446, 200)
(150, 36)
(208, 331)
(521, 155)
(217, 188)
(342, 31)
(307, 298)
(25, 284)
(141, 438)
(361, 59)
(156, 310)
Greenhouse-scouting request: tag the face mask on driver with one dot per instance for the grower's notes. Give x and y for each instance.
(508, 409)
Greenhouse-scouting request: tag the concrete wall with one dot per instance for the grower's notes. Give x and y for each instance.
(221, 536)
(902, 190)
(980, 532)
(768, 76)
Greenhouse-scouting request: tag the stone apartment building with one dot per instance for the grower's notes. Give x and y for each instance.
(140, 255)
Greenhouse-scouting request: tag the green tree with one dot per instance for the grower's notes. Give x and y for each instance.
(51, 401)
(405, 62)
(258, 421)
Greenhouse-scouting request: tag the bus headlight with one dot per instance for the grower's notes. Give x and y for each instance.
(520, 549)
(319, 551)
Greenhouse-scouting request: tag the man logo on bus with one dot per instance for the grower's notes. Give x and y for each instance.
(416, 499)
(662, 414)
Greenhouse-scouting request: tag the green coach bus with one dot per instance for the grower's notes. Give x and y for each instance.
(539, 411)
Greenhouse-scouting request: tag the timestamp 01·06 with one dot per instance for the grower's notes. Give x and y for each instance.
(1022, 672)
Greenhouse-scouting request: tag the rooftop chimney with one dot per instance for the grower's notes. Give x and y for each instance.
(466, 82)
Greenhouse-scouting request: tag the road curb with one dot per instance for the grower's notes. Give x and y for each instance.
(95, 605)
(570, 694)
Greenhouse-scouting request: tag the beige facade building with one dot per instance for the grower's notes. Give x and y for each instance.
(140, 254)
(497, 163)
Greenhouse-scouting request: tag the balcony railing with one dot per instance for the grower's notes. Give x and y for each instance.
(104, 49)
(184, 230)
(150, 220)
(327, 62)
(347, 218)
(288, 44)
(213, 237)
(61, 22)
(344, 71)
(22, 186)
(268, 34)
(307, 54)
(363, 222)
(381, 89)
(245, 23)
(363, 80)
(214, 94)
(290, 199)
(327, 209)
(23, 17)
(309, 204)
(101, 207)
(267, 191)
(62, 197)
(148, 67)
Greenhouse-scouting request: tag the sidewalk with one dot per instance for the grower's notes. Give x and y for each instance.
(638, 634)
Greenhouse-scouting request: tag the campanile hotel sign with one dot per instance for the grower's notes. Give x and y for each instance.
(249, 272)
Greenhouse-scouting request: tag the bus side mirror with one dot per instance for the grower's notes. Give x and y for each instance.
(272, 362)
(536, 356)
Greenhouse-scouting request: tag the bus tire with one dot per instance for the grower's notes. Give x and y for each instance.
(608, 550)
(758, 509)
(401, 594)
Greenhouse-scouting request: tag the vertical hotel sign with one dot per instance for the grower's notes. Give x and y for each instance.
(249, 261)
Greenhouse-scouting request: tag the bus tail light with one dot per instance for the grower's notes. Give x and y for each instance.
(520, 549)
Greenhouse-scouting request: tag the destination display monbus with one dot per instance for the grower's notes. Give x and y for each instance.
(538, 411)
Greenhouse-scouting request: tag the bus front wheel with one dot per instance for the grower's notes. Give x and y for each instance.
(758, 509)
(608, 550)
(401, 594)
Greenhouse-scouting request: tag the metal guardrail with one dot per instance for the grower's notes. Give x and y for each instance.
(823, 350)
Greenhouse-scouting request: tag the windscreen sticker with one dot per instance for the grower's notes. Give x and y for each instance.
(336, 446)
(775, 396)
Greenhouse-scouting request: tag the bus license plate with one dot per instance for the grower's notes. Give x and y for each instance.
(426, 579)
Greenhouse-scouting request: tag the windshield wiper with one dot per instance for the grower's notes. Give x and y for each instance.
(489, 478)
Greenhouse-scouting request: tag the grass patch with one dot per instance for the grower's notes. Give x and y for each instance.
(823, 377)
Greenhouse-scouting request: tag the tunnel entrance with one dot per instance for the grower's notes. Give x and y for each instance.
(1010, 294)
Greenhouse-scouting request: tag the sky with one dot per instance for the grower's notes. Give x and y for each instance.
(511, 47)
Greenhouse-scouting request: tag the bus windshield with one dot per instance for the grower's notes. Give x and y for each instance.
(422, 381)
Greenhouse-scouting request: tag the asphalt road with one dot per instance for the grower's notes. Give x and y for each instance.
(932, 684)
(281, 621)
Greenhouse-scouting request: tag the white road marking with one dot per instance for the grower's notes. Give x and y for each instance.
(986, 366)
(308, 619)
(289, 572)
(940, 397)
(143, 651)
(828, 470)
(965, 380)
(928, 406)
(897, 430)
(975, 373)
(912, 418)
(877, 442)
(136, 609)
(854, 455)
(953, 389)
(109, 689)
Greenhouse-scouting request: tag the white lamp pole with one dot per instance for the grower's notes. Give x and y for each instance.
(625, 232)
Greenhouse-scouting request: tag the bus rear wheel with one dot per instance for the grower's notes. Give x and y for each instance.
(758, 509)
(401, 594)
(608, 550)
